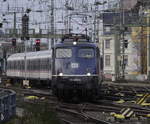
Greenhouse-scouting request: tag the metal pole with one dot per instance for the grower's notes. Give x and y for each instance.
(25, 59)
(95, 22)
(122, 19)
(14, 31)
(148, 45)
(52, 23)
(116, 53)
(123, 47)
(67, 19)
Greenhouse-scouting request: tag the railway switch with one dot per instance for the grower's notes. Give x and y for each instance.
(128, 112)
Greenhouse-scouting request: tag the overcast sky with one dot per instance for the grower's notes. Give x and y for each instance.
(41, 19)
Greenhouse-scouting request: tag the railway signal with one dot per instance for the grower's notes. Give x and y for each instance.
(25, 27)
(1, 25)
(13, 42)
(126, 43)
(37, 44)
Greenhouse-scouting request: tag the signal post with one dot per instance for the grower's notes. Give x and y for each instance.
(25, 38)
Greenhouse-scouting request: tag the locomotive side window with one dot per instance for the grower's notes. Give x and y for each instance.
(63, 53)
(86, 53)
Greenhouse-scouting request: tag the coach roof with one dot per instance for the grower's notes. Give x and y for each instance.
(30, 55)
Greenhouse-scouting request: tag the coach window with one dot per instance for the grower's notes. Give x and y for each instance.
(13, 64)
(31, 64)
(41, 62)
(8, 65)
(45, 62)
(22, 65)
(28, 64)
(38, 64)
(35, 61)
(18, 64)
(48, 64)
(34, 65)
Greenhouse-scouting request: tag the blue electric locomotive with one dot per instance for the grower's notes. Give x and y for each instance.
(72, 67)
(76, 67)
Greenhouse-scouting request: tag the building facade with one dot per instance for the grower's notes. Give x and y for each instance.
(135, 60)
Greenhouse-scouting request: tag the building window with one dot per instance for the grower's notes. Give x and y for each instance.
(107, 43)
(107, 60)
(107, 29)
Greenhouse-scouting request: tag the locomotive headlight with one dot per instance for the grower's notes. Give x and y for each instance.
(60, 74)
(88, 74)
(74, 43)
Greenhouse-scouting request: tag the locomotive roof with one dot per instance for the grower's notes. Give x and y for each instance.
(86, 44)
(30, 55)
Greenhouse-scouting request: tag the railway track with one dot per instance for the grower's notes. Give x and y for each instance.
(116, 92)
(79, 112)
(91, 113)
(77, 116)
(71, 113)
(99, 113)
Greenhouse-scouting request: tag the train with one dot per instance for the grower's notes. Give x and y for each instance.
(72, 67)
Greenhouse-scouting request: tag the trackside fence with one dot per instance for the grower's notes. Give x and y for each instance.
(7, 104)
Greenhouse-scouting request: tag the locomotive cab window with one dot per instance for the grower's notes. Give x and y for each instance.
(63, 53)
(86, 53)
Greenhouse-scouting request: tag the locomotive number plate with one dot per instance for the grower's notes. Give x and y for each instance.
(74, 65)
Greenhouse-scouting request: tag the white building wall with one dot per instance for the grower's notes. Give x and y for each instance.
(109, 70)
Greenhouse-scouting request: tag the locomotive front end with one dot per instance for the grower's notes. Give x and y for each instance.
(76, 69)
